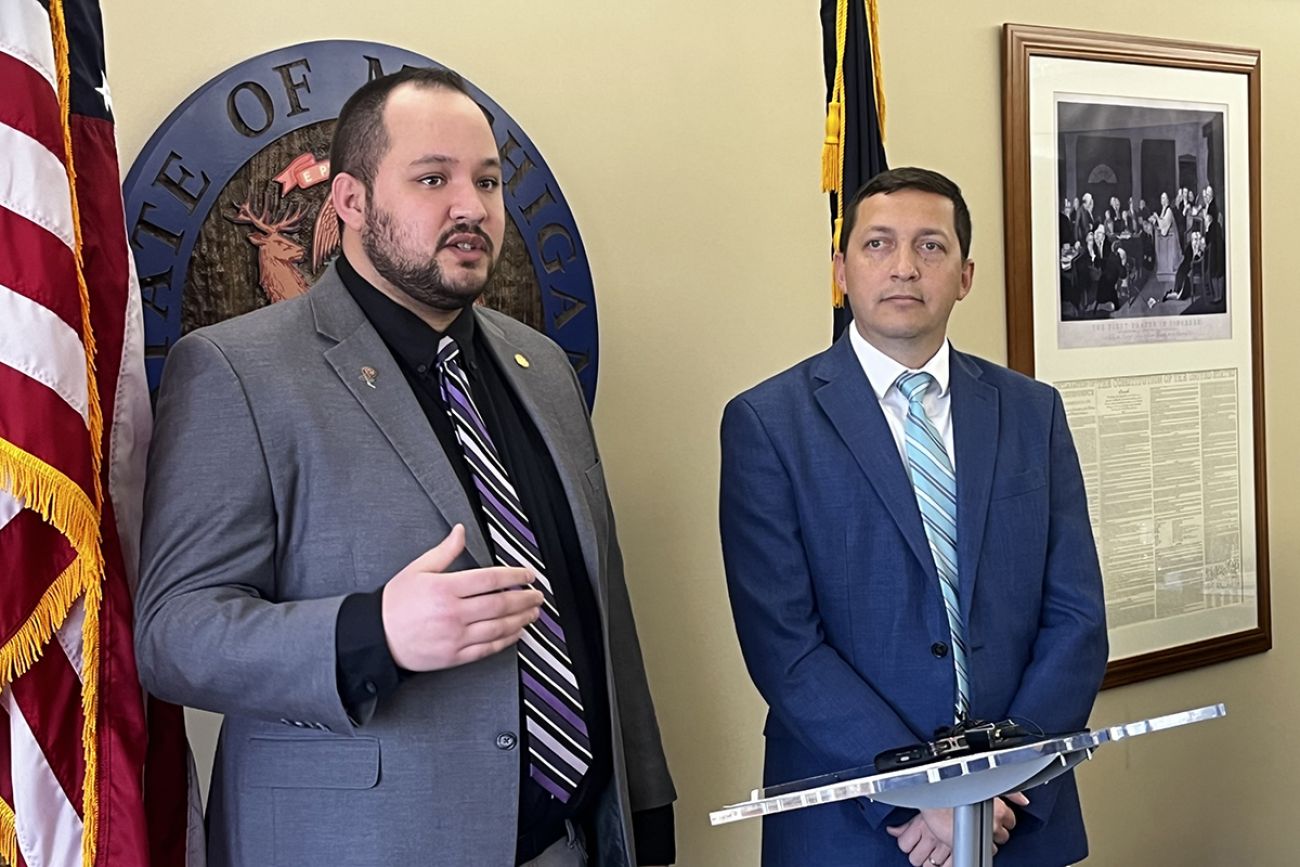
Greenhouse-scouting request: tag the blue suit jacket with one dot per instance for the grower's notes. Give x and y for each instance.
(837, 603)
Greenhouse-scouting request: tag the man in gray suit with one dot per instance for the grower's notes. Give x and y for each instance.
(377, 539)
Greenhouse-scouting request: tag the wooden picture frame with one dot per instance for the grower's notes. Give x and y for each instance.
(1147, 316)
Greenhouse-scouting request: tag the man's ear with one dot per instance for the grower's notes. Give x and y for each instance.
(350, 200)
(967, 278)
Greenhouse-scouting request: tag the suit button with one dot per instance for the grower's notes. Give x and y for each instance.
(370, 687)
(507, 741)
(939, 649)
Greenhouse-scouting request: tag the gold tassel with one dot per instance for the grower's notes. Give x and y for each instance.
(831, 161)
(833, 145)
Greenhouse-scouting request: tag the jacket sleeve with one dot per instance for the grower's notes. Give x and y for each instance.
(210, 630)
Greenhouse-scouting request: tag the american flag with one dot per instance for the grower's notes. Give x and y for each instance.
(91, 772)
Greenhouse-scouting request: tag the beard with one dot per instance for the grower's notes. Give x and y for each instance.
(423, 278)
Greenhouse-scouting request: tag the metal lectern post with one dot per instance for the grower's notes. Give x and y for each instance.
(972, 835)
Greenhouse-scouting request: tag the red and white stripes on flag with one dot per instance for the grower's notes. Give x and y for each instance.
(91, 773)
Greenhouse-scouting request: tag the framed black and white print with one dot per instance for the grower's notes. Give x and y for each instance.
(1131, 185)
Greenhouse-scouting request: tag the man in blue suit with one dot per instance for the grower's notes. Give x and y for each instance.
(906, 539)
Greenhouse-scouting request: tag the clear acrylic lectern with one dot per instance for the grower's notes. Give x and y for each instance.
(966, 783)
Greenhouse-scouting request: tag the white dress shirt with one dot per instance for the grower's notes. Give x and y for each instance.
(882, 371)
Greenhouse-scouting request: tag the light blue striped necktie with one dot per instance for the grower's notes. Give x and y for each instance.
(935, 484)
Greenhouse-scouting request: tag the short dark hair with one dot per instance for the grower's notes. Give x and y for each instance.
(910, 178)
(360, 138)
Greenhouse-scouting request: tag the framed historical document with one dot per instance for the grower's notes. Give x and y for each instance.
(1131, 176)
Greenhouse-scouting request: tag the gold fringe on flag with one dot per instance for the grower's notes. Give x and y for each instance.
(66, 507)
(93, 588)
(8, 835)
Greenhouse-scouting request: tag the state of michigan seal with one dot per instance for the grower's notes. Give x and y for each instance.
(228, 210)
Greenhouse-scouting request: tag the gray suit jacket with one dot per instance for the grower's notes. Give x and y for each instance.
(279, 482)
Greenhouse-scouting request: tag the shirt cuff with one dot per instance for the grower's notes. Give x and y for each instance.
(364, 666)
(653, 830)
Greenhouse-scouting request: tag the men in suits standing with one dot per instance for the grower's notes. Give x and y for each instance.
(1181, 207)
(906, 540)
(1084, 218)
(1065, 225)
(1211, 206)
(1215, 251)
(378, 540)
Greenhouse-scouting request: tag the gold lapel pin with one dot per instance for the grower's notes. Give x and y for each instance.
(520, 360)
(369, 374)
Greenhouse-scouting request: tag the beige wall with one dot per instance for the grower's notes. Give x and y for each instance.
(686, 136)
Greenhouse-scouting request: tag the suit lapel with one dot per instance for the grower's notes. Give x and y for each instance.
(390, 404)
(848, 401)
(540, 404)
(975, 438)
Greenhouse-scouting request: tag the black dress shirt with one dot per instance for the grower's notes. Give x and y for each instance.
(366, 671)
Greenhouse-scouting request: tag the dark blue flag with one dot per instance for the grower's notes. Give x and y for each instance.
(858, 153)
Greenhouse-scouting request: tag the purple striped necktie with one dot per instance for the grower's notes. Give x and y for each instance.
(559, 748)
